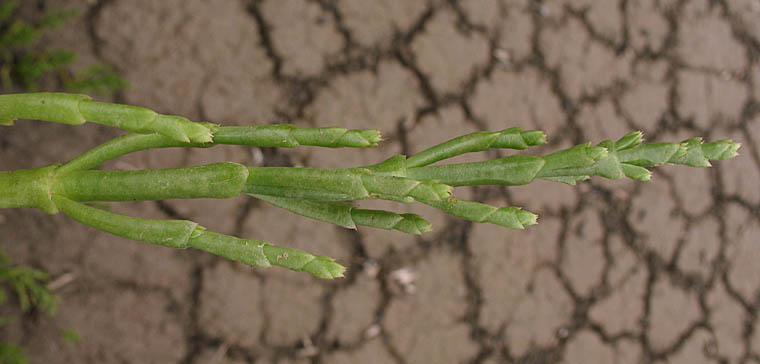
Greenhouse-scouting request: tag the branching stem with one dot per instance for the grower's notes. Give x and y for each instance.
(320, 194)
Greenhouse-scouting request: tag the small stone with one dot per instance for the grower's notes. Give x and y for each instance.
(427, 326)
(354, 310)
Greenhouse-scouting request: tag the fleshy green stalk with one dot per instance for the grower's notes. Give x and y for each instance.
(348, 216)
(259, 254)
(315, 193)
(182, 234)
(219, 180)
(513, 138)
(339, 185)
(609, 159)
(28, 188)
(281, 135)
(510, 217)
(77, 109)
(289, 136)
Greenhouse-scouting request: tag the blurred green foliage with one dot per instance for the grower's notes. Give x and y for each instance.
(23, 62)
(28, 285)
(12, 354)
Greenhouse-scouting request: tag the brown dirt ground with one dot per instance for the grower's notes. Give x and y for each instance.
(663, 272)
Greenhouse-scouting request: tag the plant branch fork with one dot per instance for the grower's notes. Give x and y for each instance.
(321, 194)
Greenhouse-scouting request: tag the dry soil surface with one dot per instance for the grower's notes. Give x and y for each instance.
(616, 271)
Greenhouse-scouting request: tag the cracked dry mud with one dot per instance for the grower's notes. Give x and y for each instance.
(616, 272)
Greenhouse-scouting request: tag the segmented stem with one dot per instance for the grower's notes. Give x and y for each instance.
(510, 217)
(182, 234)
(257, 253)
(609, 159)
(513, 138)
(289, 136)
(311, 192)
(348, 216)
(281, 135)
(219, 180)
(77, 109)
(28, 188)
(339, 185)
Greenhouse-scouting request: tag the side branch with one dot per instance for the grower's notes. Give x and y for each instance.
(75, 109)
(182, 234)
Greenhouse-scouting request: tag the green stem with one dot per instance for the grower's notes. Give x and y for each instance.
(348, 216)
(510, 217)
(513, 138)
(280, 135)
(257, 253)
(117, 147)
(508, 171)
(182, 234)
(28, 188)
(77, 109)
(170, 233)
(339, 185)
(609, 159)
(219, 180)
(289, 136)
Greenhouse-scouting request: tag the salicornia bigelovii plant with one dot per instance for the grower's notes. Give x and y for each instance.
(316, 193)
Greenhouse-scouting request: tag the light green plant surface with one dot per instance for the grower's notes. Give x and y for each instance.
(23, 62)
(316, 193)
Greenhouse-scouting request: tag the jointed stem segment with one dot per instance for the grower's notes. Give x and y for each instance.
(182, 234)
(513, 138)
(281, 135)
(316, 193)
(77, 109)
(346, 215)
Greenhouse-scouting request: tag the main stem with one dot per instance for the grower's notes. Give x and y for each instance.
(28, 188)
